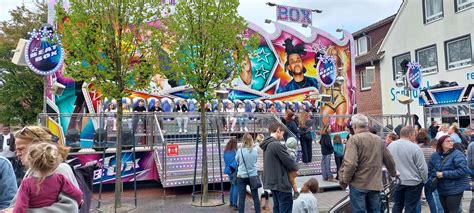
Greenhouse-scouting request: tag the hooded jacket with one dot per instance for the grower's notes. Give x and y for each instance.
(277, 164)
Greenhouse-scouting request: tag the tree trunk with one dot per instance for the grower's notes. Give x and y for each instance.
(204, 176)
(118, 156)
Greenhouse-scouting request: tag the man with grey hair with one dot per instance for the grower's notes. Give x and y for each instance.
(411, 164)
(362, 166)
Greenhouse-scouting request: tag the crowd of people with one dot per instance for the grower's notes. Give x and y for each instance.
(432, 160)
(436, 161)
(267, 166)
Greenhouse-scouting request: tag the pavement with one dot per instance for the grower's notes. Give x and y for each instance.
(151, 197)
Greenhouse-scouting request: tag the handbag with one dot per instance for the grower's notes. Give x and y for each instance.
(255, 182)
(433, 183)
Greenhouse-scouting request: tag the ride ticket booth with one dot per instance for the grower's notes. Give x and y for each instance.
(451, 104)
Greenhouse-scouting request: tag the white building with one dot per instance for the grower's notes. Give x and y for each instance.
(439, 34)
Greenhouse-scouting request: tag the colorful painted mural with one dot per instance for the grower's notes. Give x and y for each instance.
(287, 66)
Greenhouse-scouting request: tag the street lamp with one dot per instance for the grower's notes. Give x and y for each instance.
(401, 80)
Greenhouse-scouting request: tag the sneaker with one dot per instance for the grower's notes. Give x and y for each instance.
(246, 129)
(185, 130)
(241, 129)
(180, 130)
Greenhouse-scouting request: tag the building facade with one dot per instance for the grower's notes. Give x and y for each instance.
(439, 35)
(368, 41)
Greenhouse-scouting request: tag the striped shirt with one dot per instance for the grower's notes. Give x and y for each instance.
(427, 152)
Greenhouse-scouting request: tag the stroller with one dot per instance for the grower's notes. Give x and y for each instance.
(344, 205)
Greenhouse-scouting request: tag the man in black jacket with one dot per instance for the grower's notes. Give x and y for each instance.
(276, 165)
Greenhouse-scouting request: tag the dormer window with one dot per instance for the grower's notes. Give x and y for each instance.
(363, 45)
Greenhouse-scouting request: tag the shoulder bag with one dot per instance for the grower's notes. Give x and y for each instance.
(433, 183)
(255, 182)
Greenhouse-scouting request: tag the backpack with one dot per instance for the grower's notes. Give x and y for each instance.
(85, 177)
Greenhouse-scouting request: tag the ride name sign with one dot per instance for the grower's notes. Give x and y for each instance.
(294, 14)
(44, 54)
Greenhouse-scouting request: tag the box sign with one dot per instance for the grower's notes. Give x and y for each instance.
(414, 75)
(172, 149)
(294, 14)
(43, 53)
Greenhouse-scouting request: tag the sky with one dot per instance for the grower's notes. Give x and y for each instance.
(351, 15)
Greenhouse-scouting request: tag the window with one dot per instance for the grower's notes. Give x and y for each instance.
(356, 48)
(367, 78)
(362, 44)
(397, 60)
(463, 4)
(428, 59)
(458, 52)
(433, 10)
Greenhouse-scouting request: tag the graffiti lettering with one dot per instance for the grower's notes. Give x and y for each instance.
(45, 53)
(110, 166)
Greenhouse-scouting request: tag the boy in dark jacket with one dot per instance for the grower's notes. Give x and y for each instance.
(277, 164)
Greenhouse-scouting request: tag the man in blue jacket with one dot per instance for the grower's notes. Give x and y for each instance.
(277, 164)
(8, 185)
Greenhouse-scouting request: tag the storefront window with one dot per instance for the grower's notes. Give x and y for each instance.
(462, 114)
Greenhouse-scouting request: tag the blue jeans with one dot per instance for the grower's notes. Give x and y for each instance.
(433, 200)
(242, 120)
(233, 195)
(363, 200)
(282, 202)
(406, 197)
(326, 166)
(242, 184)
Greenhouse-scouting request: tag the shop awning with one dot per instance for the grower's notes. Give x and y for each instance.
(447, 95)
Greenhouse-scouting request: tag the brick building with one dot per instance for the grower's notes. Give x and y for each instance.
(368, 41)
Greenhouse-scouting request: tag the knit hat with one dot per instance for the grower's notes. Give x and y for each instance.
(291, 143)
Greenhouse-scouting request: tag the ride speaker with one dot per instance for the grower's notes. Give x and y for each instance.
(19, 53)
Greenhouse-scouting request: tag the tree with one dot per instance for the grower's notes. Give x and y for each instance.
(20, 89)
(113, 45)
(207, 50)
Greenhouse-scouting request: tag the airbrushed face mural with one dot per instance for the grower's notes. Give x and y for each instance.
(287, 66)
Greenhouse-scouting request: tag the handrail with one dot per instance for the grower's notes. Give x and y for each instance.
(162, 138)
